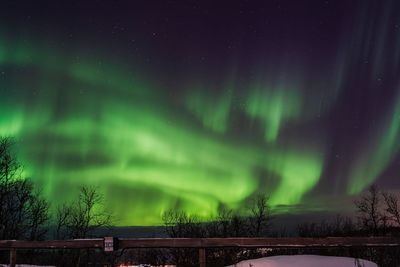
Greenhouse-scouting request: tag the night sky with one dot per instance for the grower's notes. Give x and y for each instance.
(199, 105)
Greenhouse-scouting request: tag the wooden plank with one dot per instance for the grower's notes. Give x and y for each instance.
(258, 242)
(202, 257)
(52, 244)
(13, 257)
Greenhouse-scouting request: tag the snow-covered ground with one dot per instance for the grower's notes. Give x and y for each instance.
(305, 261)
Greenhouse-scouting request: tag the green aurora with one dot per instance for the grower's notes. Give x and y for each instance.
(198, 145)
(113, 132)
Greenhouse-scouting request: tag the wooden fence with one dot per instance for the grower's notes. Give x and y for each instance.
(200, 243)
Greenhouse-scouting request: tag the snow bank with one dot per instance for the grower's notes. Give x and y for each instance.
(305, 261)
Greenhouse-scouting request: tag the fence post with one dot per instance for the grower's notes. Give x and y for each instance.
(13, 257)
(202, 257)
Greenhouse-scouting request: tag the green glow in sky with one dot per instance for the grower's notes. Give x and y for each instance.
(84, 123)
(377, 151)
(300, 172)
(273, 106)
(212, 111)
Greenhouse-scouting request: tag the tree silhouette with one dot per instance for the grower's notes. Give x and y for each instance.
(370, 211)
(82, 217)
(392, 207)
(23, 212)
(260, 216)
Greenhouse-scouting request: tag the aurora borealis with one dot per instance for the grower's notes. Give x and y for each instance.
(198, 106)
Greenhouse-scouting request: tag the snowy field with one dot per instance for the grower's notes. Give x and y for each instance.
(305, 261)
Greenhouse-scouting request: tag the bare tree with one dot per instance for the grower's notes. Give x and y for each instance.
(38, 216)
(180, 224)
(392, 207)
(63, 215)
(220, 227)
(260, 216)
(23, 212)
(10, 168)
(81, 218)
(369, 210)
(226, 224)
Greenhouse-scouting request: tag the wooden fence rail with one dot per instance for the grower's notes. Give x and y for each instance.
(201, 243)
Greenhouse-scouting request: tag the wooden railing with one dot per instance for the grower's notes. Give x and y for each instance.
(200, 243)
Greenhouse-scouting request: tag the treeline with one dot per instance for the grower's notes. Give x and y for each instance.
(226, 223)
(255, 221)
(377, 213)
(25, 213)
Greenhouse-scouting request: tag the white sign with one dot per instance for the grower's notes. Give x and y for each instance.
(108, 244)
